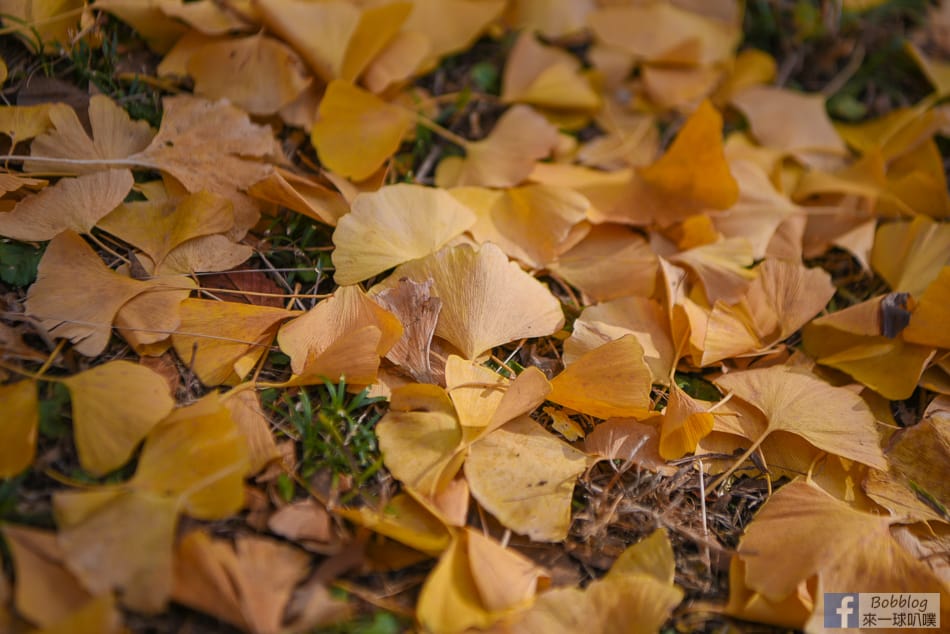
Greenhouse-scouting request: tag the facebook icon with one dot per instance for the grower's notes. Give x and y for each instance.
(841, 609)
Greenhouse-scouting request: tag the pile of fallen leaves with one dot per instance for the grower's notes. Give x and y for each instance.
(586, 304)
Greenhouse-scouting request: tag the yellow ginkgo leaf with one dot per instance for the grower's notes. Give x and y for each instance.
(852, 341)
(248, 585)
(637, 591)
(824, 536)
(347, 310)
(396, 224)
(928, 320)
(215, 147)
(18, 432)
(114, 136)
(114, 406)
(162, 225)
(405, 520)
(609, 262)
(451, 25)
(353, 356)
(120, 539)
(98, 616)
(831, 418)
(611, 380)
(475, 583)
(792, 122)
(60, 295)
(223, 70)
(546, 76)
(694, 169)
(76, 204)
(486, 300)
(22, 123)
(41, 23)
(356, 131)
(910, 254)
(723, 267)
(198, 454)
(150, 20)
(45, 589)
(506, 156)
(533, 223)
(449, 601)
(422, 449)
(685, 422)
(223, 340)
(474, 389)
(248, 414)
(524, 476)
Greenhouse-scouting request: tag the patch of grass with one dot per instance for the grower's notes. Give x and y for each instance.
(334, 430)
(102, 68)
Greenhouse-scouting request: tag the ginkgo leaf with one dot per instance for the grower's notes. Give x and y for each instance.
(637, 594)
(248, 585)
(747, 604)
(421, 448)
(524, 476)
(397, 61)
(664, 32)
(474, 583)
(349, 309)
(337, 39)
(611, 380)
(852, 340)
(629, 441)
(533, 223)
(609, 262)
(396, 224)
(685, 422)
(46, 591)
(694, 166)
(301, 194)
(215, 147)
(41, 23)
(114, 406)
(831, 418)
(98, 616)
(405, 520)
(219, 340)
(846, 547)
(449, 601)
(928, 319)
(120, 539)
(910, 254)
(451, 25)
(60, 295)
(723, 267)
(248, 414)
(223, 70)
(475, 390)
(198, 454)
(353, 356)
(546, 76)
(356, 131)
(76, 204)
(486, 300)
(162, 224)
(159, 29)
(114, 136)
(18, 432)
(506, 156)
(790, 121)
(22, 123)
(414, 306)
